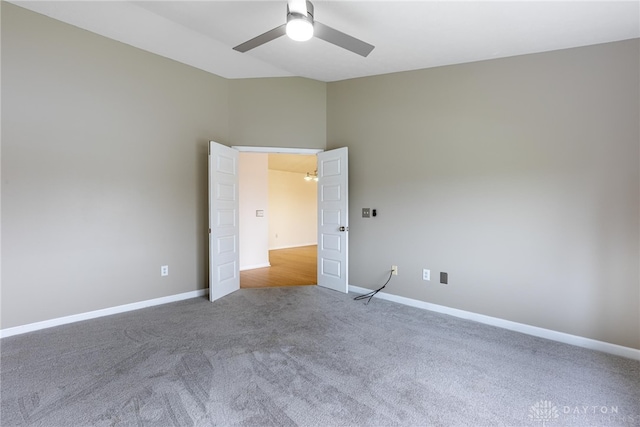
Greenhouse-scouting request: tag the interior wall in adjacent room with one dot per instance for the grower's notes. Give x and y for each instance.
(254, 197)
(293, 210)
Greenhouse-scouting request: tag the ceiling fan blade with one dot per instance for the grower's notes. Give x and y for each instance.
(262, 39)
(341, 39)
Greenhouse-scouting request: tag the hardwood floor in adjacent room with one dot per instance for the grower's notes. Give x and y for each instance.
(289, 267)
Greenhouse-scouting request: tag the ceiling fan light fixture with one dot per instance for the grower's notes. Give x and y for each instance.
(299, 27)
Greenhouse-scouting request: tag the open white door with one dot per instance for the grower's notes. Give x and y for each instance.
(333, 219)
(224, 274)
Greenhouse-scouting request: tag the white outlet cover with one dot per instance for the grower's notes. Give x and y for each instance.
(426, 274)
(164, 270)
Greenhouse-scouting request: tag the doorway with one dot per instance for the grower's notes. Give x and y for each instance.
(278, 219)
(332, 217)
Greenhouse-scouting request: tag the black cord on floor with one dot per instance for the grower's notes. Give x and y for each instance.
(372, 293)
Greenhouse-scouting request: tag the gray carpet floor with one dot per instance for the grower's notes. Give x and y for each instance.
(306, 356)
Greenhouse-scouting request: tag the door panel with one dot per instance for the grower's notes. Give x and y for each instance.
(224, 276)
(333, 219)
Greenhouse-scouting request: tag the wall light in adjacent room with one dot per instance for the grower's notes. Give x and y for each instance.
(311, 176)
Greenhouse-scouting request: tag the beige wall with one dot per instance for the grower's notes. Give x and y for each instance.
(104, 165)
(293, 210)
(285, 112)
(519, 177)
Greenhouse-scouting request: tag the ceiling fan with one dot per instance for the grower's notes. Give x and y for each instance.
(300, 26)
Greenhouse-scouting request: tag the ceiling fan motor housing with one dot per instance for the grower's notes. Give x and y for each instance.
(297, 15)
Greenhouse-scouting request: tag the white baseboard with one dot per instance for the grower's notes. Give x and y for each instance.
(549, 334)
(293, 246)
(589, 343)
(100, 313)
(252, 267)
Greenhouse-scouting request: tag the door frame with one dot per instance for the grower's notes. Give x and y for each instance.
(278, 150)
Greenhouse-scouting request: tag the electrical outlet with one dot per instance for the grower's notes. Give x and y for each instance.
(366, 212)
(394, 270)
(426, 274)
(444, 278)
(164, 270)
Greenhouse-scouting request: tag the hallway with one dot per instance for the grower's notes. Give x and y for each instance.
(289, 267)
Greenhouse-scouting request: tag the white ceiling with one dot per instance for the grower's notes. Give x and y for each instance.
(299, 163)
(408, 35)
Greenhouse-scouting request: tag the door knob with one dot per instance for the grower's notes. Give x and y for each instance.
(343, 228)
